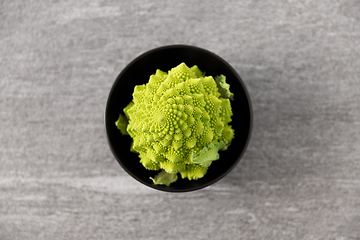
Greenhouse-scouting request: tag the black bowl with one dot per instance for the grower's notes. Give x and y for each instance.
(165, 58)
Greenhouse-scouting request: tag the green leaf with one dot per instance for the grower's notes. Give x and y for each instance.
(121, 124)
(208, 154)
(164, 178)
(224, 88)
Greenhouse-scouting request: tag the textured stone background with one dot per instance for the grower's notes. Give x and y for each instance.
(299, 179)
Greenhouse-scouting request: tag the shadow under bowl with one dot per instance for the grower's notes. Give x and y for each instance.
(164, 58)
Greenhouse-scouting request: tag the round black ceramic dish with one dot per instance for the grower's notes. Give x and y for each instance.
(165, 58)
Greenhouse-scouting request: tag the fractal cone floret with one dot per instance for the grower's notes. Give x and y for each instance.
(179, 121)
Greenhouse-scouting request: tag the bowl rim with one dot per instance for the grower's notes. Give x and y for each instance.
(239, 79)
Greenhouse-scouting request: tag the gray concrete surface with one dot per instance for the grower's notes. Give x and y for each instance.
(299, 179)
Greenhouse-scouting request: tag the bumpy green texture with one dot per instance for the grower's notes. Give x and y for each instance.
(178, 122)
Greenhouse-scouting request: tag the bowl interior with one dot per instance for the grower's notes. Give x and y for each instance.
(165, 58)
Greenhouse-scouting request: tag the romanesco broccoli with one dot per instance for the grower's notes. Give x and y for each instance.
(178, 122)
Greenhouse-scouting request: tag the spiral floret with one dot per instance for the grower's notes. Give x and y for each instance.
(178, 122)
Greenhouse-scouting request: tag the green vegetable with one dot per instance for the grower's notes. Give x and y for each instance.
(224, 88)
(164, 178)
(121, 124)
(178, 122)
(208, 154)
